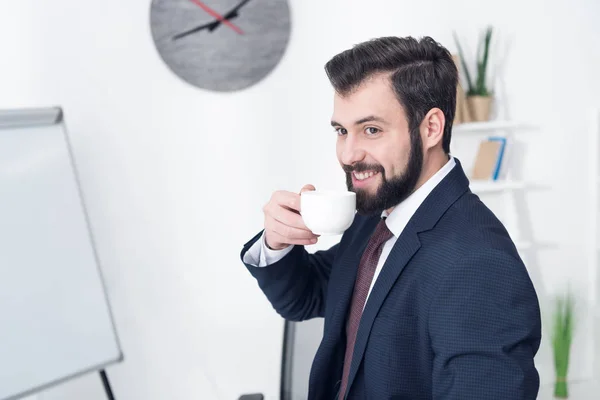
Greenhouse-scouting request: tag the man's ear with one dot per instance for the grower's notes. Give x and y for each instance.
(432, 128)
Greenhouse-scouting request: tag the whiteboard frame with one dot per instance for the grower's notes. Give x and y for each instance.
(29, 117)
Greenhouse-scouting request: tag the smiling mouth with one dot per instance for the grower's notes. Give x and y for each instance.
(362, 176)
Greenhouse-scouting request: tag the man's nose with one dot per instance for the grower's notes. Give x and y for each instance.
(352, 150)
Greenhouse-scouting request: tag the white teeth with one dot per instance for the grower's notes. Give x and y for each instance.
(363, 175)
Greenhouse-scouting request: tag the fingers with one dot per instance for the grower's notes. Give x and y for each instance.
(283, 221)
(307, 188)
(297, 241)
(285, 216)
(289, 232)
(286, 199)
(289, 199)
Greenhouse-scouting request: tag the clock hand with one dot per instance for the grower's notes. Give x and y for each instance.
(239, 6)
(216, 15)
(214, 26)
(211, 26)
(232, 14)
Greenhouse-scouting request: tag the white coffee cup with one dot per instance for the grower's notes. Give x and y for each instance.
(328, 212)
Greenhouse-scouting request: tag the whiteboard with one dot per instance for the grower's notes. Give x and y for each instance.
(55, 320)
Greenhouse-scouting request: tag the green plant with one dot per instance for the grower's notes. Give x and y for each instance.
(479, 87)
(562, 336)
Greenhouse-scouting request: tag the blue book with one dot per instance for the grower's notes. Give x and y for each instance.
(502, 140)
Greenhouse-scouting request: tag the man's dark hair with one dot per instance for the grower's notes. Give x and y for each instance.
(423, 75)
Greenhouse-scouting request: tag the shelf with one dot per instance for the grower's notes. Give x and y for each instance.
(524, 245)
(482, 186)
(490, 126)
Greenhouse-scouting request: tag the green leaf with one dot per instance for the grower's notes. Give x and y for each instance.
(464, 63)
(479, 86)
(562, 333)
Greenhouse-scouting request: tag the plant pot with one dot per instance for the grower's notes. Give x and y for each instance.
(479, 107)
(561, 390)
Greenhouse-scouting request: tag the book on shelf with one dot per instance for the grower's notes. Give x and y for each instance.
(490, 160)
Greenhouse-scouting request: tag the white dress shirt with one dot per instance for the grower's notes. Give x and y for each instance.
(260, 255)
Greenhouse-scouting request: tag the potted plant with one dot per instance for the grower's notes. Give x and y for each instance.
(479, 96)
(562, 335)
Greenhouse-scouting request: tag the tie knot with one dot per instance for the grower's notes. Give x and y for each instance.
(382, 233)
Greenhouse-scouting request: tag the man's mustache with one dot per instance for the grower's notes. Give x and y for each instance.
(362, 167)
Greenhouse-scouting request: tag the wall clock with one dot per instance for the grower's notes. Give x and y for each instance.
(220, 45)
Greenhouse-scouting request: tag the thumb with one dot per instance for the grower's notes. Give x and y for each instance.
(307, 188)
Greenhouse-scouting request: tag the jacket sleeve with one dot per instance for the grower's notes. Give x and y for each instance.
(259, 255)
(485, 329)
(296, 285)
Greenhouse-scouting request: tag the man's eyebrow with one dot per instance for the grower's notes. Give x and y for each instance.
(370, 118)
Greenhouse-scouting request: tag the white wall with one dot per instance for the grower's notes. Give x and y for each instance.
(175, 177)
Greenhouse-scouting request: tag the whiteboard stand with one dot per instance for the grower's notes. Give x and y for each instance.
(54, 311)
(106, 385)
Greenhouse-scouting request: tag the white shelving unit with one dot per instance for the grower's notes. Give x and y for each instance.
(509, 186)
(594, 234)
(509, 194)
(512, 188)
(496, 186)
(491, 126)
(527, 245)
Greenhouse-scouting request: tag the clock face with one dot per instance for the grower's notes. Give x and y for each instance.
(220, 45)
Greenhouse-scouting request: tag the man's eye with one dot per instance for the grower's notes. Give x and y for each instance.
(372, 131)
(341, 131)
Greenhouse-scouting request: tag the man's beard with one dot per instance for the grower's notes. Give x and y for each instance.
(391, 191)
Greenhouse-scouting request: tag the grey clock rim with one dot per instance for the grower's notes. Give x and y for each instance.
(251, 83)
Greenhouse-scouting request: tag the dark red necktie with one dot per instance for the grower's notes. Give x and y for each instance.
(366, 270)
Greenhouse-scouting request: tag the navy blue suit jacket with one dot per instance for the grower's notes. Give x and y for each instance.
(452, 315)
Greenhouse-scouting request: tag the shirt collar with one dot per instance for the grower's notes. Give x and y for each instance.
(403, 212)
